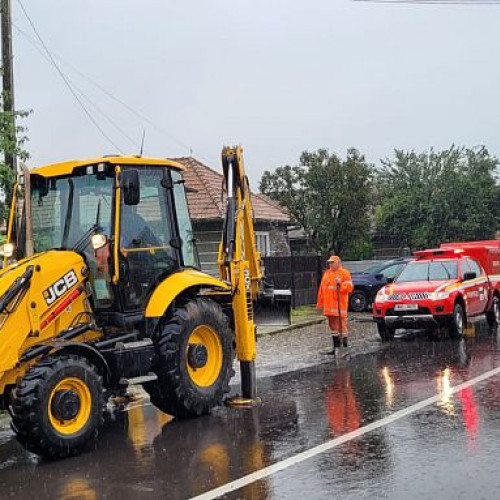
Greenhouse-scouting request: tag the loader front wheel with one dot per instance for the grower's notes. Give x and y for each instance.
(57, 406)
(194, 351)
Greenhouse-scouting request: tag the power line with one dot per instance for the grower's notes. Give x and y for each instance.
(36, 46)
(66, 81)
(109, 94)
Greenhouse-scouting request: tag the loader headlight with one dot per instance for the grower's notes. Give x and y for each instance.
(7, 250)
(99, 240)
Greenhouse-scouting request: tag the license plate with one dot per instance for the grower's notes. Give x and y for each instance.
(406, 307)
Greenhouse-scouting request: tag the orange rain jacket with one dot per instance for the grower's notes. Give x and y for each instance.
(327, 294)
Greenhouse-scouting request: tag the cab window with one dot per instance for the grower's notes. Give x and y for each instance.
(474, 267)
(146, 253)
(189, 253)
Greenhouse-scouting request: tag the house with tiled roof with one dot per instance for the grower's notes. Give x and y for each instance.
(207, 206)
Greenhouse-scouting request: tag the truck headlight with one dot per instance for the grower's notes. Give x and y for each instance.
(380, 298)
(439, 295)
(7, 250)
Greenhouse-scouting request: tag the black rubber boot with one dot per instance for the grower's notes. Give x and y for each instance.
(336, 343)
(345, 345)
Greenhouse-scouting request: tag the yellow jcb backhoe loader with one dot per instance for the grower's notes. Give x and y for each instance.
(101, 290)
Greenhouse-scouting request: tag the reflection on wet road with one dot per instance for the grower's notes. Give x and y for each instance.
(445, 450)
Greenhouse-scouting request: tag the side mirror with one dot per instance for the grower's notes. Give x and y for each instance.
(379, 277)
(131, 187)
(390, 280)
(469, 276)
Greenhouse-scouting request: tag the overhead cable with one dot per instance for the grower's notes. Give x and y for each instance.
(109, 94)
(37, 47)
(66, 81)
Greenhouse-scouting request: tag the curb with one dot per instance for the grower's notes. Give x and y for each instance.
(295, 326)
(310, 322)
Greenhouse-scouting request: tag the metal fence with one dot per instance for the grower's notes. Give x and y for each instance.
(302, 274)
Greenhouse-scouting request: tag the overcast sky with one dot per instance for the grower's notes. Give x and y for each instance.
(278, 76)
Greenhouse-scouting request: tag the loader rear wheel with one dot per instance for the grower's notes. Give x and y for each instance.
(194, 363)
(57, 406)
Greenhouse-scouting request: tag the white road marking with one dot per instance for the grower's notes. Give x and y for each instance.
(333, 443)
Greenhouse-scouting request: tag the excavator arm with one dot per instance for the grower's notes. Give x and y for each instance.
(240, 265)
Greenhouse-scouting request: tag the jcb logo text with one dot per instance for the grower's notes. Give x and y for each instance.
(61, 286)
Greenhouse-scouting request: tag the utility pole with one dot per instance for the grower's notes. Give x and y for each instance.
(8, 78)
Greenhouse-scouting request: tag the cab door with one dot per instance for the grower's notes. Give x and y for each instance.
(480, 287)
(148, 249)
(471, 287)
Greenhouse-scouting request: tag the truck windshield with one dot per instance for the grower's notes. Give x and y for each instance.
(429, 271)
(63, 209)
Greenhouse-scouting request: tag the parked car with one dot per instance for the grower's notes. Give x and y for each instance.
(371, 280)
(443, 288)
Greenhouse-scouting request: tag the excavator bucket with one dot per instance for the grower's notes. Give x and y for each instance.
(273, 307)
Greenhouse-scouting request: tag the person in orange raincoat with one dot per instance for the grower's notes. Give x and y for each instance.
(333, 298)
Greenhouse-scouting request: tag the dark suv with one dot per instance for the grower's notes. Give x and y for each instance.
(371, 280)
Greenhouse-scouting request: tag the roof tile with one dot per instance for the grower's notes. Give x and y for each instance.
(207, 202)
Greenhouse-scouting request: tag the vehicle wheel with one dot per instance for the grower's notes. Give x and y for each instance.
(458, 322)
(57, 407)
(438, 334)
(493, 315)
(194, 360)
(358, 301)
(386, 333)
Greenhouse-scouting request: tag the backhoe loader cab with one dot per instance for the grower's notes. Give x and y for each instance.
(104, 293)
(128, 220)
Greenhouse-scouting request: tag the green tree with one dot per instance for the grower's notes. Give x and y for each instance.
(327, 196)
(13, 140)
(428, 198)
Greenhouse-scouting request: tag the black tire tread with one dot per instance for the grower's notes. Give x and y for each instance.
(490, 315)
(171, 393)
(359, 292)
(25, 408)
(386, 334)
(453, 330)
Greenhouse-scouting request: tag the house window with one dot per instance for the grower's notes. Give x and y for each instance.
(263, 244)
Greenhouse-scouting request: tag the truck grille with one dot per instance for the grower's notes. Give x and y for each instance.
(409, 296)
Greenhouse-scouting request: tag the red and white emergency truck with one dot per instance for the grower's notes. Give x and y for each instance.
(441, 289)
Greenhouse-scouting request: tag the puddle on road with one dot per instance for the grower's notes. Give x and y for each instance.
(143, 453)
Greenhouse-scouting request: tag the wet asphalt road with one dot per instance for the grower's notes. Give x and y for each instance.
(448, 449)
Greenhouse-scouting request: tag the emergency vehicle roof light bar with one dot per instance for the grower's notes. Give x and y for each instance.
(428, 253)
